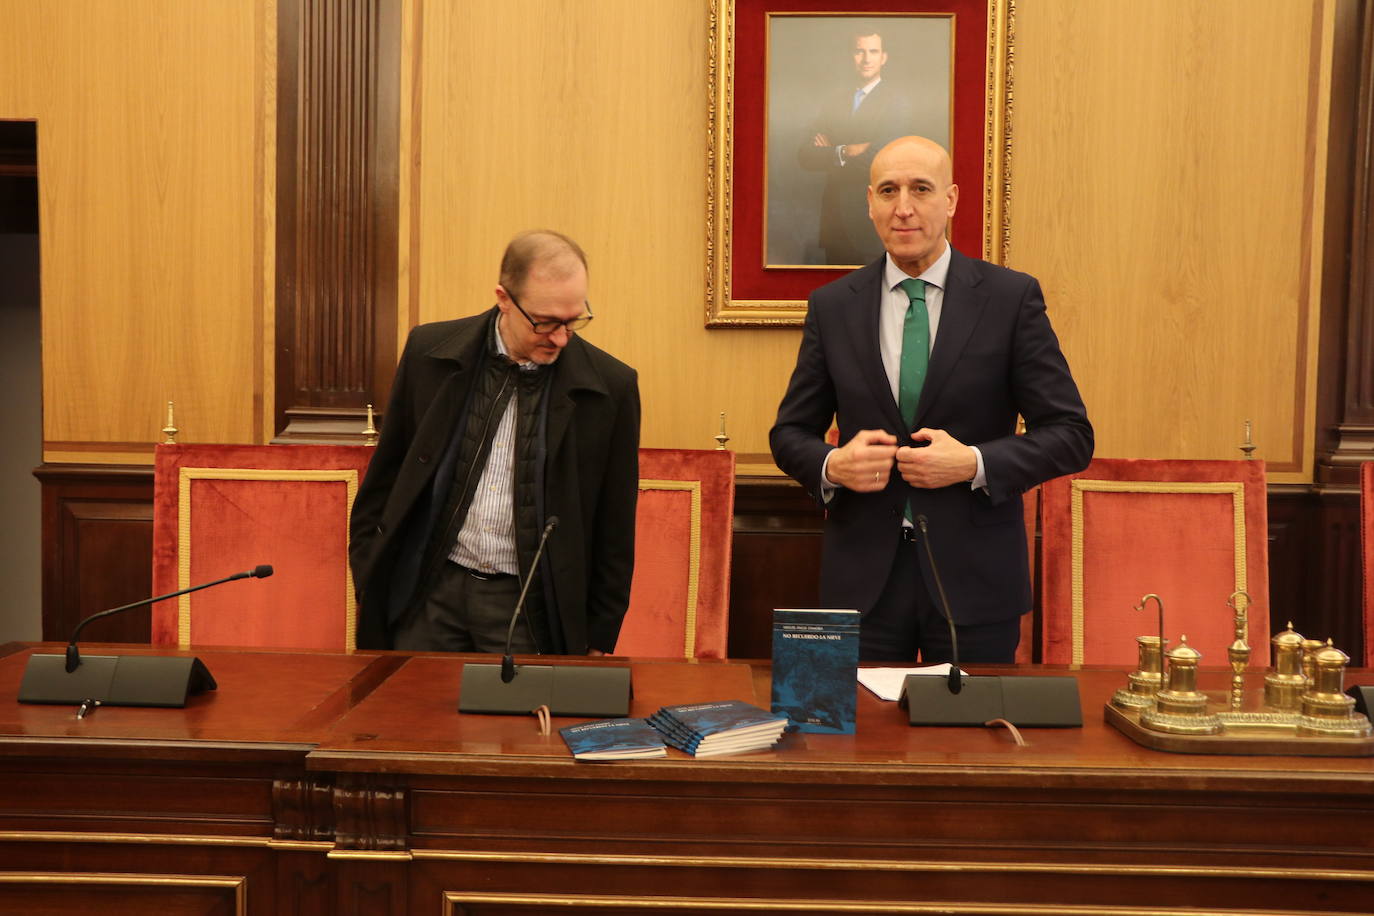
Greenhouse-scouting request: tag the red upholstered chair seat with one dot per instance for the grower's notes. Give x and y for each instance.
(222, 509)
(679, 602)
(1367, 557)
(1192, 532)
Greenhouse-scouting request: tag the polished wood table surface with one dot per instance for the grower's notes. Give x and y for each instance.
(329, 783)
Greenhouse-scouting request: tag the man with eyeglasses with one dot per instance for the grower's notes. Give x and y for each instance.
(498, 423)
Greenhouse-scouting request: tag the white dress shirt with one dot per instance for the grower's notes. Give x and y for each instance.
(891, 320)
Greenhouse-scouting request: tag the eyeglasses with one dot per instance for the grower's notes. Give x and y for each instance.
(549, 325)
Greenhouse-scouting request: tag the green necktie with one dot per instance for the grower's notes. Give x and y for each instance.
(915, 351)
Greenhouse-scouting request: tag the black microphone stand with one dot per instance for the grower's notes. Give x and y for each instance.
(956, 683)
(507, 660)
(120, 680)
(74, 654)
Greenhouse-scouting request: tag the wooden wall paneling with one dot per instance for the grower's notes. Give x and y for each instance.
(594, 128)
(148, 149)
(1161, 191)
(1333, 578)
(174, 821)
(776, 560)
(305, 879)
(137, 876)
(1314, 571)
(53, 893)
(337, 212)
(372, 884)
(97, 550)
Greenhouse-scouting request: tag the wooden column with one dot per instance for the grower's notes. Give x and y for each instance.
(1315, 539)
(1347, 386)
(337, 137)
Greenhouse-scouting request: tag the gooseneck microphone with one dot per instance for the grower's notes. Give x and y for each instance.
(507, 661)
(74, 655)
(956, 682)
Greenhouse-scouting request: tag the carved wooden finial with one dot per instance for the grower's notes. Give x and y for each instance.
(170, 430)
(1248, 446)
(370, 433)
(720, 437)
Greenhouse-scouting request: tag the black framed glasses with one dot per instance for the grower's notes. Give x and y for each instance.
(549, 325)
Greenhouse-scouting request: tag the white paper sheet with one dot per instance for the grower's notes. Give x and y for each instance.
(886, 683)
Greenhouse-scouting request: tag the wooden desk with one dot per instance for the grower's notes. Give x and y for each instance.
(349, 784)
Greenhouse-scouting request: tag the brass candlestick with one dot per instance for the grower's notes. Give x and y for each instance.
(720, 437)
(1239, 651)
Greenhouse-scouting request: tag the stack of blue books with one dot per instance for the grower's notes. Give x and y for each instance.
(726, 727)
(614, 739)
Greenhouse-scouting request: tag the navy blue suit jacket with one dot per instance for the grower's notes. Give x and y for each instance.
(995, 356)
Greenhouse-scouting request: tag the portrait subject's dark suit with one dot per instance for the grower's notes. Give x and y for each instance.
(589, 478)
(995, 355)
(846, 234)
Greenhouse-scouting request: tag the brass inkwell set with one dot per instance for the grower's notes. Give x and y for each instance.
(1301, 711)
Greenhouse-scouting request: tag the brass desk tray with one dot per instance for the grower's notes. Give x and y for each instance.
(1242, 733)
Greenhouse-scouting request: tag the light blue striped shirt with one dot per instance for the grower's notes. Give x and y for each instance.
(487, 539)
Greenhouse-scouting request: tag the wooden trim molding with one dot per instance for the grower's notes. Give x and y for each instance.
(338, 129)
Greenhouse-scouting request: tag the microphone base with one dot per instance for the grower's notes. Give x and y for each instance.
(1026, 702)
(1364, 700)
(114, 680)
(590, 691)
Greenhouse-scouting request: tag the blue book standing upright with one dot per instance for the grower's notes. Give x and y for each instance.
(815, 668)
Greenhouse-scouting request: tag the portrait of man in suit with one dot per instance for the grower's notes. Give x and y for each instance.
(925, 358)
(885, 78)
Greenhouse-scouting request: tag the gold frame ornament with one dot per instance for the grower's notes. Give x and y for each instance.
(723, 309)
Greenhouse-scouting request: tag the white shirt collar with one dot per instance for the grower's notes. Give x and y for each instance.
(934, 275)
(501, 345)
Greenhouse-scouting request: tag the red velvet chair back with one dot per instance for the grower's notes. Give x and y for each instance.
(1367, 556)
(679, 602)
(1192, 532)
(222, 509)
